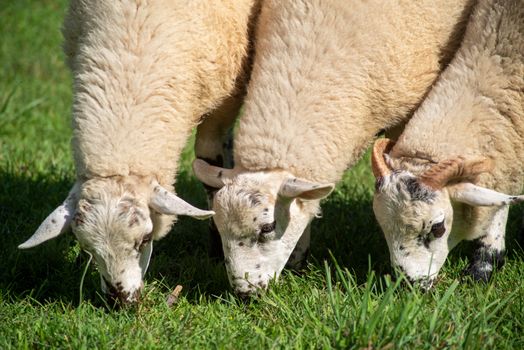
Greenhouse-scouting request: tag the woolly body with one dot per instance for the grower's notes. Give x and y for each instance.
(145, 73)
(330, 75)
(476, 108)
(327, 77)
(475, 111)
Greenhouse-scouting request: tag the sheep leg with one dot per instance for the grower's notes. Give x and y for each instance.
(297, 259)
(489, 251)
(214, 145)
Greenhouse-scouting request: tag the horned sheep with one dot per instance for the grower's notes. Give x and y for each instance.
(145, 73)
(441, 183)
(327, 77)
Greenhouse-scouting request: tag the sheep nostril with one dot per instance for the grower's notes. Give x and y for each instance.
(244, 295)
(121, 297)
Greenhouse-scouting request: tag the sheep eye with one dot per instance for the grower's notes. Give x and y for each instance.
(438, 229)
(147, 238)
(267, 228)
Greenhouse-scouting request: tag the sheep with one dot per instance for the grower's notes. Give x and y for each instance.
(327, 77)
(145, 73)
(441, 183)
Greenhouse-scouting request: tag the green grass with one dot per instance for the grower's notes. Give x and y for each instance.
(344, 299)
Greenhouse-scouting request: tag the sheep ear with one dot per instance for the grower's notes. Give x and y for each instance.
(145, 257)
(56, 223)
(168, 203)
(480, 196)
(297, 188)
(210, 175)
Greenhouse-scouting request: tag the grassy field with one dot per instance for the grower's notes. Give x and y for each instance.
(344, 299)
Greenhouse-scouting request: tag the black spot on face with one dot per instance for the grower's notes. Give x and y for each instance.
(53, 221)
(401, 247)
(257, 266)
(253, 196)
(378, 183)
(255, 199)
(267, 228)
(423, 240)
(418, 191)
(240, 244)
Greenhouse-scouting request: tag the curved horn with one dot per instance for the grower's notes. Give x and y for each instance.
(168, 203)
(378, 165)
(440, 174)
(56, 223)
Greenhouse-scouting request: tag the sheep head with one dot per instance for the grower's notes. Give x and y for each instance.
(116, 219)
(416, 213)
(260, 217)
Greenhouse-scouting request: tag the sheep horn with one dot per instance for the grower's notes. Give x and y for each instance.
(440, 174)
(378, 165)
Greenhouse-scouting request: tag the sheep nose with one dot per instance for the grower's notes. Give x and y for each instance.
(118, 296)
(124, 298)
(246, 292)
(245, 296)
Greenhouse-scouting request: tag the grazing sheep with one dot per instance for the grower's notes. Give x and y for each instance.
(145, 72)
(327, 77)
(463, 145)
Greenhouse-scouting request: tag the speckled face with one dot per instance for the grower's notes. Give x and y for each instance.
(416, 222)
(259, 228)
(115, 227)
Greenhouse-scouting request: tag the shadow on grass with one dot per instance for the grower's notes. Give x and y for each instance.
(53, 270)
(48, 272)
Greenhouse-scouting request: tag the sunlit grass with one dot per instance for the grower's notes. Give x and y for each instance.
(344, 299)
